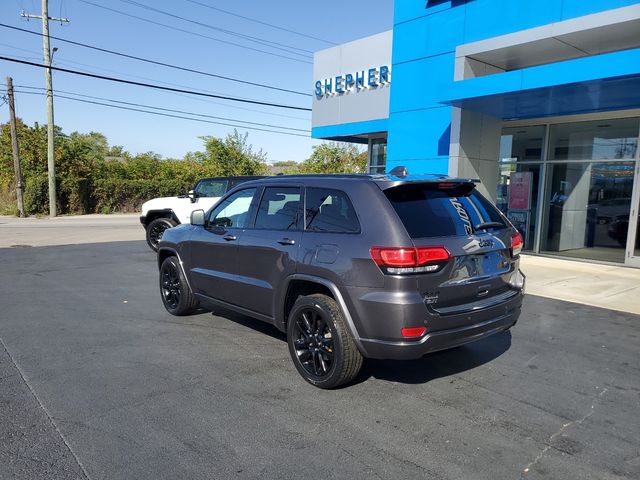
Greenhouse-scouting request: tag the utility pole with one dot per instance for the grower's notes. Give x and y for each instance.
(14, 146)
(51, 165)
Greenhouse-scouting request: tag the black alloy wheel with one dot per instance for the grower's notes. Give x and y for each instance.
(320, 342)
(174, 288)
(313, 342)
(171, 288)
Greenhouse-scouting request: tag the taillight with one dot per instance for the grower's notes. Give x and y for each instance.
(517, 242)
(404, 260)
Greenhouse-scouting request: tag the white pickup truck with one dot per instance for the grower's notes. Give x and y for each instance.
(161, 213)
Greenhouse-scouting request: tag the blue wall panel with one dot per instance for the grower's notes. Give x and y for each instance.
(490, 18)
(419, 134)
(438, 165)
(407, 10)
(428, 36)
(416, 86)
(350, 129)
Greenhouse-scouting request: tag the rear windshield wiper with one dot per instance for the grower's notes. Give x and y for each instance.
(486, 225)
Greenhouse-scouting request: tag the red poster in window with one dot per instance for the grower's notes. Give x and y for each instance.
(520, 191)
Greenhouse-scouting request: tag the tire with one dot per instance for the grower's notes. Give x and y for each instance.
(176, 294)
(320, 344)
(156, 228)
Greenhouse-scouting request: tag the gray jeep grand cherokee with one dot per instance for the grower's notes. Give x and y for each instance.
(351, 266)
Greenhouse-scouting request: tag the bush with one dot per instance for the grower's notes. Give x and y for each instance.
(36, 195)
(8, 203)
(74, 195)
(116, 195)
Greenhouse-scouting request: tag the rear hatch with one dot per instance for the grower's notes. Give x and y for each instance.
(482, 245)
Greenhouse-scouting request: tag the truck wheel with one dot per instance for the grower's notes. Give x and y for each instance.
(320, 344)
(155, 229)
(174, 289)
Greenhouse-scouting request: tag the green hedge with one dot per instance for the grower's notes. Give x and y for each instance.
(80, 195)
(36, 195)
(115, 195)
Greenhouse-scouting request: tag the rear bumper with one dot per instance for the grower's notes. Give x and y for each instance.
(143, 221)
(440, 340)
(380, 322)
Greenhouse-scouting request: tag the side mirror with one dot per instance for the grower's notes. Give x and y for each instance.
(192, 196)
(197, 218)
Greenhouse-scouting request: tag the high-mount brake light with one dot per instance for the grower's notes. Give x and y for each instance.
(406, 260)
(517, 242)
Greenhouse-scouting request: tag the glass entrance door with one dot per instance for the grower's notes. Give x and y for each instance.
(633, 241)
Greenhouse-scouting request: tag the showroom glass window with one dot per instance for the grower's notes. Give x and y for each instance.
(588, 188)
(377, 155)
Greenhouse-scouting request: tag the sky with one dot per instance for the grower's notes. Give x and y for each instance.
(109, 24)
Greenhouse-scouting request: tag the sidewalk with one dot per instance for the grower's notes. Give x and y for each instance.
(605, 286)
(66, 230)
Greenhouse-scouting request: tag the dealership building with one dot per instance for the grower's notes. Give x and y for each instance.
(540, 101)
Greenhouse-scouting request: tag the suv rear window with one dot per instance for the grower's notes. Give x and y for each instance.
(330, 210)
(427, 211)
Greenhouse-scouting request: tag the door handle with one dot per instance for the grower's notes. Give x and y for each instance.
(230, 238)
(286, 241)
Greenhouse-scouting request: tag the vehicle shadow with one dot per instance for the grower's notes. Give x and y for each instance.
(438, 364)
(430, 367)
(252, 323)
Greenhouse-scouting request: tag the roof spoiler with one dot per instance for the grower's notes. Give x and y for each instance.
(403, 172)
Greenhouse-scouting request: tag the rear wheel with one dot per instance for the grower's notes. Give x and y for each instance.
(155, 229)
(174, 289)
(320, 344)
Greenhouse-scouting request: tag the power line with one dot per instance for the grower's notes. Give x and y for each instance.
(178, 29)
(157, 87)
(167, 109)
(260, 22)
(250, 38)
(208, 101)
(169, 115)
(156, 62)
(73, 64)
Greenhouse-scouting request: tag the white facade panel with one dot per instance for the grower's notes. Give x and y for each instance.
(341, 98)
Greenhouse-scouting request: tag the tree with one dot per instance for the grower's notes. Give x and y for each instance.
(78, 154)
(334, 157)
(231, 156)
(286, 163)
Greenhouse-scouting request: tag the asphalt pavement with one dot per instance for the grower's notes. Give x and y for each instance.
(98, 381)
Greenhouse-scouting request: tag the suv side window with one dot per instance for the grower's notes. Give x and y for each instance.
(331, 211)
(233, 212)
(279, 208)
(211, 188)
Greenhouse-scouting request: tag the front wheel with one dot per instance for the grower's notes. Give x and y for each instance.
(320, 344)
(155, 229)
(174, 289)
